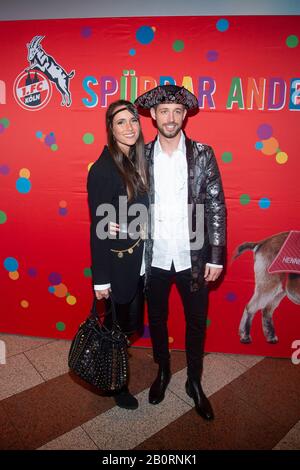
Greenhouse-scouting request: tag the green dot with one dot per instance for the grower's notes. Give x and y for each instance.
(244, 199)
(292, 41)
(88, 138)
(54, 147)
(87, 272)
(178, 45)
(5, 122)
(3, 217)
(60, 326)
(208, 322)
(227, 157)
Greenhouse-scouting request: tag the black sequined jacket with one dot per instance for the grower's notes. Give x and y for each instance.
(204, 187)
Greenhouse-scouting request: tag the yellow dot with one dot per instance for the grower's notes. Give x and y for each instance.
(281, 157)
(24, 304)
(63, 204)
(24, 173)
(14, 275)
(171, 339)
(89, 165)
(71, 300)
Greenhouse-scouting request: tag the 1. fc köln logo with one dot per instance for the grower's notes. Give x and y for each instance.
(33, 86)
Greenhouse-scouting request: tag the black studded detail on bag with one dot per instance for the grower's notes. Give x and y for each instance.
(99, 355)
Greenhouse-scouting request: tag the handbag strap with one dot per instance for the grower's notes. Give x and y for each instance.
(113, 309)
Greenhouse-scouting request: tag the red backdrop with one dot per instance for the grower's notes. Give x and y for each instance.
(245, 72)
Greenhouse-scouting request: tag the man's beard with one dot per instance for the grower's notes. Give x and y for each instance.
(169, 134)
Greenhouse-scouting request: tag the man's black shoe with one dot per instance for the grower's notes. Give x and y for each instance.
(203, 407)
(124, 399)
(158, 388)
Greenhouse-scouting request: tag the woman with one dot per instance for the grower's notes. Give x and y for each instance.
(116, 182)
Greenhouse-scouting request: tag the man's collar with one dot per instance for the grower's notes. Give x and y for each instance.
(181, 144)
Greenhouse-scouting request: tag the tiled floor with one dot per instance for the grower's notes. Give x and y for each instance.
(43, 406)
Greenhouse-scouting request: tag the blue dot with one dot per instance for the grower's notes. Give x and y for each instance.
(259, 145)
(264, 203)
(132, 52)
(39, 134)
(32, 272)
(231, 297)
(51, 289)
(62, 211)
(145, 34)
(222, 25)
(23, 185)
(11, 264)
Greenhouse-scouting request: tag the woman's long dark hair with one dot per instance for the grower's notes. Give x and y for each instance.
(133, 169)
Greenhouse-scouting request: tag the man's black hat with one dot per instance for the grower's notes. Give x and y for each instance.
(167, 94)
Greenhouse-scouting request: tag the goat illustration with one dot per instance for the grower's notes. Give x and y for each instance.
(39, 60)
(270, 289)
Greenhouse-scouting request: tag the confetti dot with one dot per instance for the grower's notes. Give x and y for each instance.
(230, 297)
(87, 272)
(54, 147)
(24, 173)
(39, 134)
(60, 326)
(3, 217)
(60, 290)
(178, 45)
(14, 275)
(292, 41)
(145, 34)
(4, 169)
(62, 203)
(227, 157)
(132, 52)
(4, 122)
(24, 303)
(86, 32)
(259, 145)
(32, 272)
(54, 278)
(264, 131)
(71, 300)
(222, 25)
(11, 264)
(88, 138)
(50, 139)
(51, 289)
(23, 185)
(281, 158)
(171, 339)
(270, 146)
(244, 199)
(212, 56)
(63, 211)
(264, 203)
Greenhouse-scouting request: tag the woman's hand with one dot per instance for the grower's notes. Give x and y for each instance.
(102, 294)
(113, 228)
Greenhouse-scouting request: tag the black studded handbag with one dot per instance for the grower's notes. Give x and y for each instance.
(99, 355)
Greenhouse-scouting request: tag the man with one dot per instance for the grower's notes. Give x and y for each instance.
(183, 174)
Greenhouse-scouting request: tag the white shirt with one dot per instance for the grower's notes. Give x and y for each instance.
(170, 230)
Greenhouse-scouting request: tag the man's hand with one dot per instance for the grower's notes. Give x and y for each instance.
(102, 294)
(211, 273)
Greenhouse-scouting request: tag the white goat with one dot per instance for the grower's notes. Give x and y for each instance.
(39, 60)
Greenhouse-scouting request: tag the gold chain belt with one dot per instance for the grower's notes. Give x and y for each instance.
(128, 250)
